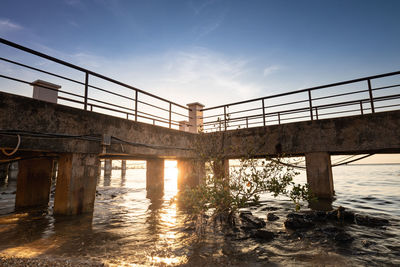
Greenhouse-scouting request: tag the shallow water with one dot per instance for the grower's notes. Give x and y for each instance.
(127, 228)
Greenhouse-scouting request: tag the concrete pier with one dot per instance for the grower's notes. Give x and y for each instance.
(154, 176)
(76, 183)
(107, 167)
(221, 168)
(123, 168)
(3, 170)
(3, 173)
(319, 174)
(33, 182)
(191, 172)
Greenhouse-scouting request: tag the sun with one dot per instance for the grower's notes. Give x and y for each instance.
(170, 177)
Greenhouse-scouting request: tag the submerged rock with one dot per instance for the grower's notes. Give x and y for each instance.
(296, 221)
(269, 209)
(343, 237)
(272, 217)
(251, 221)
(341, 214)
(370, 221)
(264, 234)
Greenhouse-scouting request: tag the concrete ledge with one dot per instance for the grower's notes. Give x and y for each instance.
(372, 133)
(27, 114)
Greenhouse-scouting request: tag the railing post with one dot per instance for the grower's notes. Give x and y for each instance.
(371, 97)
(247, 122)
(279, 118)
(136, 102)
(86, 89)
(170, 114)
(361, 108)
(263, 111)
(316, 112)
(225, 118)
(310, 101)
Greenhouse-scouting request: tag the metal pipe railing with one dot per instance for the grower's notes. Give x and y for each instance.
(241, 114)
(88, 102)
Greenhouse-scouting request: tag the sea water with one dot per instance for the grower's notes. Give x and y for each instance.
(127, 228)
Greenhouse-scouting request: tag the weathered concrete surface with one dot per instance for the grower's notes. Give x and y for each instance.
(3, 171)
(372, 133)
(154, 176)
(319, 174)
(107, 167)
(34, 182)
(190, 173)
(123, 168)
(27, 114)
(76, 183)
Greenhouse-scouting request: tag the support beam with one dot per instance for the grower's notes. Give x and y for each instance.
(76, 183)
(33, 182)
(319, 174)
(154, 176)
(3, 173)
(190, 173)
(107, 167)
(123, 168)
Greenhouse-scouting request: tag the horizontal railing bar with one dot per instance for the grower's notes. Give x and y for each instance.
(385, 87)
(71, 100)
(343, 94)
(154, 106)
(62, 62)
(92, 99)
(109, 92)
(43, 71)
(144, 117)
(155, 116)
(63, 92)
(114, 105)
(341, 112)
(15, 79)
(308, 89)
(388, 106)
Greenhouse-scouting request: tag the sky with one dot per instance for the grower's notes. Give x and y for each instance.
(213, 51)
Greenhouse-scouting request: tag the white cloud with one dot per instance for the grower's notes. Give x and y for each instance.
(271, 69)
(7, 25)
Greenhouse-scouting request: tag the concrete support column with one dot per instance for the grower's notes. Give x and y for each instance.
(319, 174)
(221, 168)
(76, 183)
(33, 182)
(195, 117)
(3, 173)
(190, 173)
(13, 171)
(123, 168)
(107, 167)
(155, 176)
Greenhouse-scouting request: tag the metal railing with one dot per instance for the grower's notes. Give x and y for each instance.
(139, 105)
(354, 97)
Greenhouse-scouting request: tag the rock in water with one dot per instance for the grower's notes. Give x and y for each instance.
(264, 234)
(272, 217)
(296, 221)
(370, 221)
(252, 221)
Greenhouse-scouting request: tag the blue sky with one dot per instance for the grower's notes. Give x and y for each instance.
(186, 50)
(213, 51)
